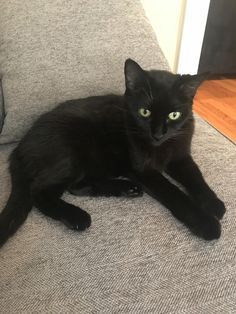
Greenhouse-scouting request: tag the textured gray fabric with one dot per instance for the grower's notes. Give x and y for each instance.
(135, 258)
(56, 50)
(1, 107)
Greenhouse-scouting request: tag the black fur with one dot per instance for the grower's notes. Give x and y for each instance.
(85, 145)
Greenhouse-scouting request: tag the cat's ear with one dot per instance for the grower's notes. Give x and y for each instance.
(188, 84)
(135, 77)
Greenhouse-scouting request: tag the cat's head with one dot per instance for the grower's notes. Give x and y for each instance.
(159, 102)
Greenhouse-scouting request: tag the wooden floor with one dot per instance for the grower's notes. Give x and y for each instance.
(215, 102)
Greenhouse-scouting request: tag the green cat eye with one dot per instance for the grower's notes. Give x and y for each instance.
(174, 115)
(144, 112)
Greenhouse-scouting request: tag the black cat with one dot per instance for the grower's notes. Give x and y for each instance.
(86, 145)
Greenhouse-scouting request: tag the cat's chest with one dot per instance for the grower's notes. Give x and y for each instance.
(149, 157)
(107, 157)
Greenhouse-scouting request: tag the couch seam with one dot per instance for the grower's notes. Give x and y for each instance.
(3, 112)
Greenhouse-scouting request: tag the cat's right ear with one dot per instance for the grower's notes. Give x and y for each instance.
(134, 76)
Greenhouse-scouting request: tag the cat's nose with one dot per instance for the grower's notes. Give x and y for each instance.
(158, 135)
(159, 132)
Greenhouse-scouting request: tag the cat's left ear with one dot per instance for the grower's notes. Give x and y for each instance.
(135, 77)
(189, 84)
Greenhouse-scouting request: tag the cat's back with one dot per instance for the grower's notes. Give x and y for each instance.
(74, 119)
(76, 129)
(78, 116)
(95, 106)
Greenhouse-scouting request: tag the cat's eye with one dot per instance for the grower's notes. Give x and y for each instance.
(144, 112)
(174, 115)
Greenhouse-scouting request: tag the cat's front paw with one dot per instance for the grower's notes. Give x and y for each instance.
(77, 219)
(214, 207)
(207, 227)
(132, 190)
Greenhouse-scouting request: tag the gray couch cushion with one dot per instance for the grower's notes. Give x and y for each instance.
(56, 50)
(135, 258)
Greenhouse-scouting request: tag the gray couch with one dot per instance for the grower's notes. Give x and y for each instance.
(135, 258)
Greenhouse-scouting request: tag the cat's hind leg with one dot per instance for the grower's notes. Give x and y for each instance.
(46, 195)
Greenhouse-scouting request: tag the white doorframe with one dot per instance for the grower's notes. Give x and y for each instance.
(196, 13)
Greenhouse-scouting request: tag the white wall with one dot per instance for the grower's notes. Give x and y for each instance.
(166, 17)
(194, 25)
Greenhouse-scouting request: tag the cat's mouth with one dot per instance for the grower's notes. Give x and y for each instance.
(157, 141)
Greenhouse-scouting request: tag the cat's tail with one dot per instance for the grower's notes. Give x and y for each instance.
(19, 203)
